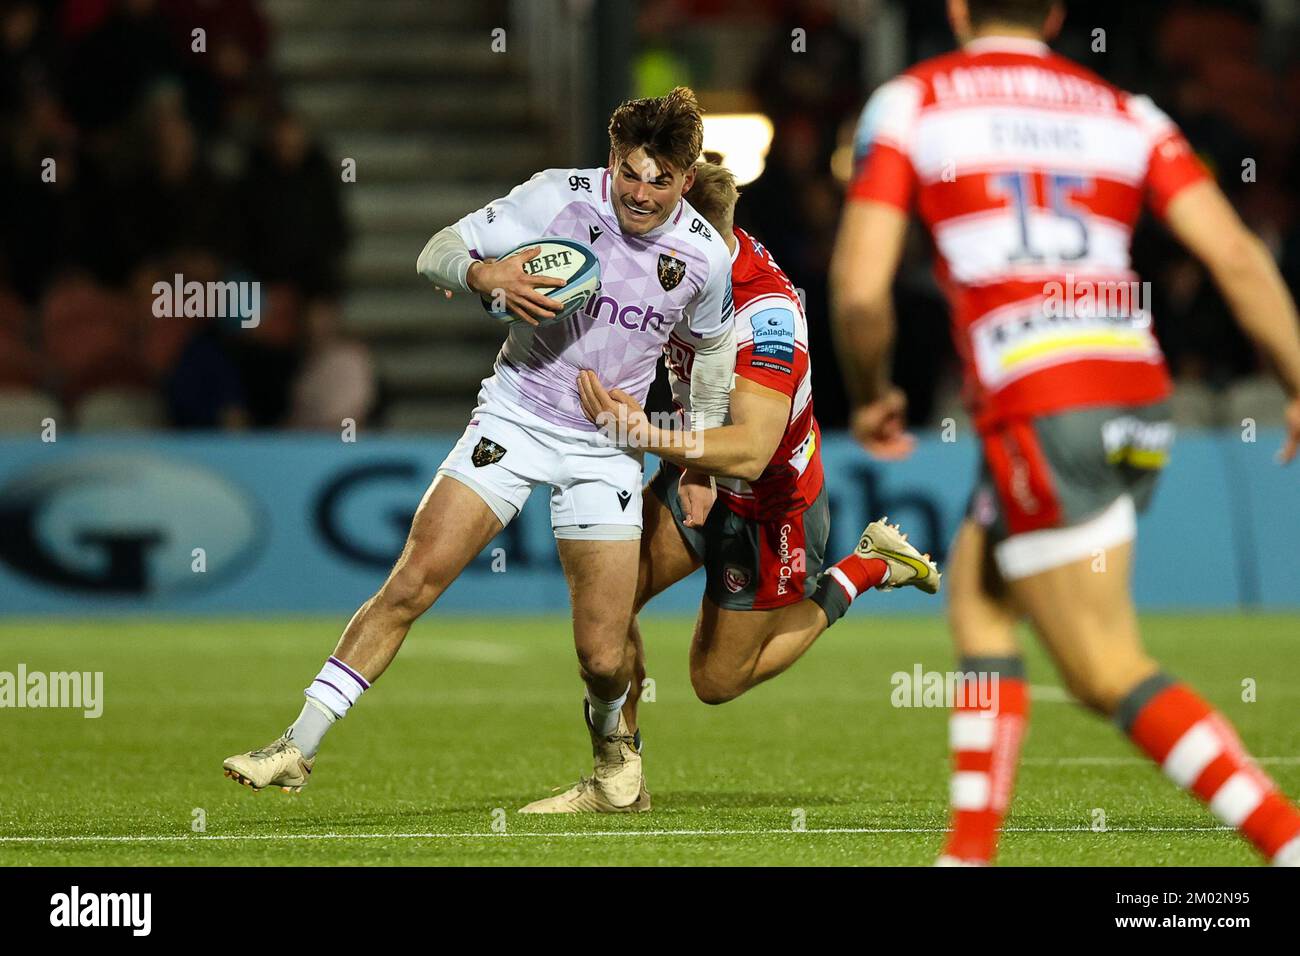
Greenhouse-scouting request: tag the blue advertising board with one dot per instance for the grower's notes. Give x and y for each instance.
(289, 523)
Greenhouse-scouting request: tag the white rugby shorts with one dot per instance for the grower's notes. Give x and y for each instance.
(508, 451)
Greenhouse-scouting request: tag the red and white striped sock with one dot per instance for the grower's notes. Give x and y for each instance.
(855, 574)
(840, 584)
(984, 737)
(1198, 749)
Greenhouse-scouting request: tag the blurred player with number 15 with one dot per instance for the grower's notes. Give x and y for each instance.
(1029, 172)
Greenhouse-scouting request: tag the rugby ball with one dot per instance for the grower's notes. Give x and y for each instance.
(571, 261)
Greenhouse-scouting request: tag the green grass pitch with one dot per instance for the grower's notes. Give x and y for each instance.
(480, 715)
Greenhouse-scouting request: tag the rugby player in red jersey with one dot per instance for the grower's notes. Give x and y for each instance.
(1029, 172)
(765, 600)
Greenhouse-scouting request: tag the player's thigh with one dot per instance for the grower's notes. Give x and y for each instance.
(596, 517)
(1069, 487)
(1084, 613)
(452, 524)
(666, 555)
(727, 643)
(601, 575)
(480, 487)
(980, 613)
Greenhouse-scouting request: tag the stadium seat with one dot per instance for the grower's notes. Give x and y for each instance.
(1259, 398)
(948, 404)
(1195, 405)
(22, 411)
(86, 332)
(120, 409)
(20, 367)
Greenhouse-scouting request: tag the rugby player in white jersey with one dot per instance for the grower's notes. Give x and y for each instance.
(662, 271)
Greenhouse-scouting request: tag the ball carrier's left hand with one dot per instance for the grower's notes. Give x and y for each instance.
(508, 280)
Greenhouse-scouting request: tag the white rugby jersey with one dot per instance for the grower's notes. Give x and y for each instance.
(678, 276)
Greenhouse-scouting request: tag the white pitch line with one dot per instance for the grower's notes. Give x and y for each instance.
(1126, 761)
(221, 837)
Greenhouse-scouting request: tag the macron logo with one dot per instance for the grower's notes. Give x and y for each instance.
(103, 909)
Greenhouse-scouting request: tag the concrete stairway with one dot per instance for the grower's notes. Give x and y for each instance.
(438, 124)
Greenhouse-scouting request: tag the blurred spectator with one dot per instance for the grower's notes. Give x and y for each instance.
(203, 389)
(176, 203)
(270, 354)
(237, 39)
(131, 42)
(20, 366)
(819, 78)
(295, 230)
(86, 335)
(134, 150)
(26, 52)
(338, 376)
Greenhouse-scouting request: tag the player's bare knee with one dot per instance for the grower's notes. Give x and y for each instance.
(1087, 691)
(978, 631)
(1109, 689)
(713, 687)
(411, 590)
(602, 663)
(1102, 687)
(711, 692)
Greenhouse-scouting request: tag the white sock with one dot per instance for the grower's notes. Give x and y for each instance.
(1289, 855)
(603, 714)
(337, 687)
(309, 729)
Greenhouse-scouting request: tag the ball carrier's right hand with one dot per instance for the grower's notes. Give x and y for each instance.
(506, 282)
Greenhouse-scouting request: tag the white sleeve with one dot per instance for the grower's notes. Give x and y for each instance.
(889, 117)
(712, 371)
(445, 260)
(523, 215)
(711, 312)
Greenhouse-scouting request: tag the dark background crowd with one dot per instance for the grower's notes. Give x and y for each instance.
(1230, 83)
(135, 149)
(128, 154)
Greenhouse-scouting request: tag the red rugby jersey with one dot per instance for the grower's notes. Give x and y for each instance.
(772, 350)
(1029, 173)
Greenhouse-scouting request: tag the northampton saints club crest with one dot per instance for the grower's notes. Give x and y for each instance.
(486, 453)
(671, 271)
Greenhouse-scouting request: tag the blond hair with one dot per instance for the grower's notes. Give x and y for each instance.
(714, 193)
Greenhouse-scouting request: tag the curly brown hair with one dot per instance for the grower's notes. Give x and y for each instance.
(668, 126)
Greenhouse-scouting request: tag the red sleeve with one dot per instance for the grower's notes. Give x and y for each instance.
(1172, 168)
(884, 175)
(772, 371)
